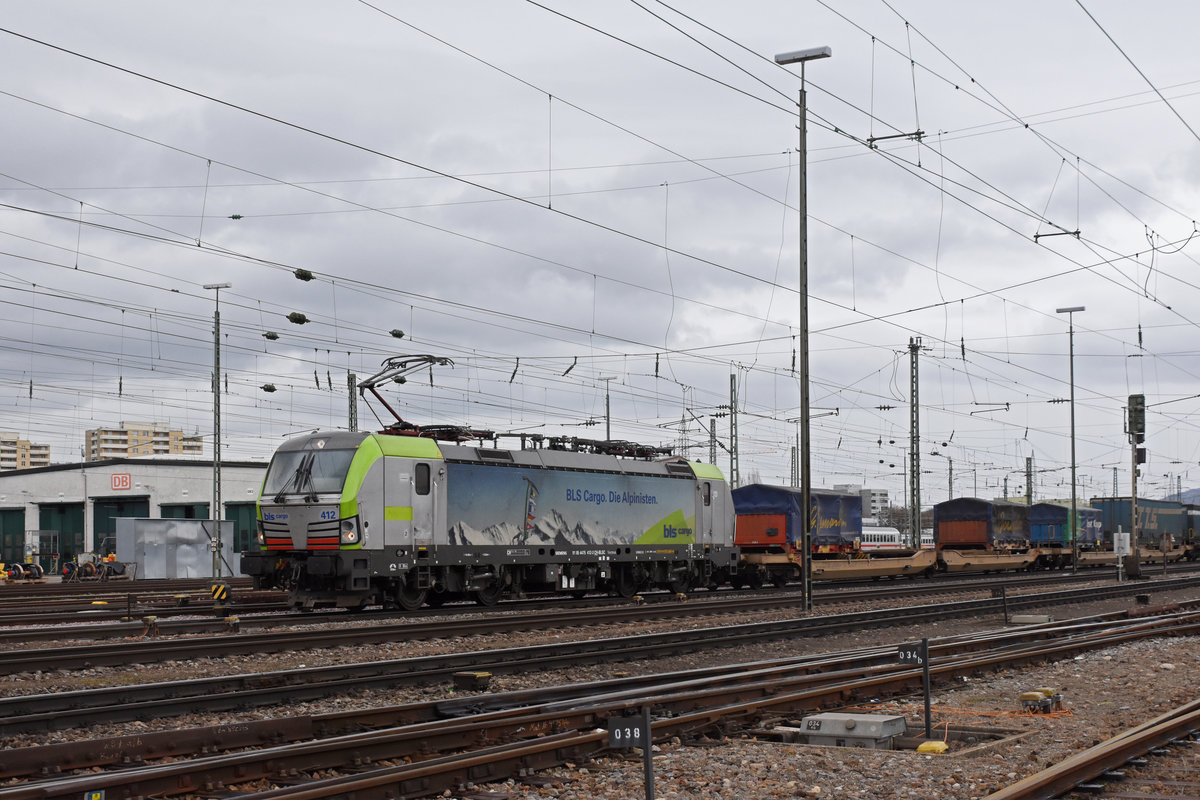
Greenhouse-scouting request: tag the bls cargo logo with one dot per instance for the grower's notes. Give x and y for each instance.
(122, 481)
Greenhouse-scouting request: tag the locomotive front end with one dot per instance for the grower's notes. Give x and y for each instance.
(307, 523)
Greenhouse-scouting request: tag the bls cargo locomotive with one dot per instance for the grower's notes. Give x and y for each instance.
(402, 519)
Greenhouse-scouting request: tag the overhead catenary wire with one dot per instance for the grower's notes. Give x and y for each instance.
(219, 101)
(593, 328)
(1133, 64)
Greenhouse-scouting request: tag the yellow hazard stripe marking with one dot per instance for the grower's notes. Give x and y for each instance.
(394, 513)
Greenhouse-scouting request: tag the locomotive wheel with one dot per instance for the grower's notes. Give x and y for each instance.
(87, 569)
(435, 599)
(754, 580)
(489, 595)
(623, 583)
(17, 571)
(679, 585)
(410, 598)
(778, 580)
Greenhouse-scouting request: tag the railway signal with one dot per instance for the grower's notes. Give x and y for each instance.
(1137, 416)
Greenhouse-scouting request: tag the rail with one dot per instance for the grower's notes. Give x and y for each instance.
(1108, 755)
(504, 740)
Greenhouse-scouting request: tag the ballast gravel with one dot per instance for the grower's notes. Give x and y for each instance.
(1104, 692)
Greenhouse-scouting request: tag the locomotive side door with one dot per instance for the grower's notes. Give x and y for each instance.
(708, 511)
(398, 505)
(426, 479)
(411, 494)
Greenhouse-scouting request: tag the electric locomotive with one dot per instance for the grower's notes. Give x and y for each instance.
(401, 519)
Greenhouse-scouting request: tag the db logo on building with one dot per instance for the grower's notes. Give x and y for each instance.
(122, 481)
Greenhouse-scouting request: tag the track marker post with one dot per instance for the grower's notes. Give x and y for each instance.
(1121, 549)
(918, 653)
(628, 732)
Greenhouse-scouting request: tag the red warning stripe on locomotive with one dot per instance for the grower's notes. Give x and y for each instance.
(323, 542)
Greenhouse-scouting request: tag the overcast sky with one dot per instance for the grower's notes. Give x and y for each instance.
(554, 194)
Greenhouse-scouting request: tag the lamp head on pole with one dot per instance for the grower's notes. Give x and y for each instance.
(809, 54)
(1071, 310)
(801, 57)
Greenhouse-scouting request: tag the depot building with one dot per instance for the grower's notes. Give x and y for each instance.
(55, 513)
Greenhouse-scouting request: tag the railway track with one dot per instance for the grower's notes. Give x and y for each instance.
(107, 622)
(1155, 748)
(64, 619)
(121, 703)
(423, 750)
(225, 640)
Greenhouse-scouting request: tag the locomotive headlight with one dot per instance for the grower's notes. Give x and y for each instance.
(349, 531)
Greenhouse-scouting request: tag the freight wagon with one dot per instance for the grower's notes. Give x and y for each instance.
(1156, 518)
(1048, 525)
(974, 535)
(770, 531)
(1050, 532)
(769, 518)
(971, 523)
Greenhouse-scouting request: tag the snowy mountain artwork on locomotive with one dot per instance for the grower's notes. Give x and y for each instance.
(517, 506)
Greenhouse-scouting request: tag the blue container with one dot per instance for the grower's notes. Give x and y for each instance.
(836, 519)
(1048, 524)
(1155, 518)
(1091, 527)
(971, 522)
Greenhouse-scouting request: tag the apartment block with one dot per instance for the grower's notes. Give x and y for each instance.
(18, 453)
(133, 439)
(875, 501)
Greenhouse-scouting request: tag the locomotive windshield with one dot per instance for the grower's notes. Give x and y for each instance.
(307, 471)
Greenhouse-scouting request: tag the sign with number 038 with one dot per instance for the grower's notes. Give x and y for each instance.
(626, 732)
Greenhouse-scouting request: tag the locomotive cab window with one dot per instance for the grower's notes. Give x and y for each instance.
(708, 494)
(303, 471)
(421, 479)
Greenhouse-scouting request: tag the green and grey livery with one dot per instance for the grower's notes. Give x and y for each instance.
(357, 519)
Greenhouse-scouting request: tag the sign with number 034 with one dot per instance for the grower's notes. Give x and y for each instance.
(911, 654)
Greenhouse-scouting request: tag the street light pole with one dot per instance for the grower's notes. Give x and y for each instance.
(801, 57)
(215, 511)
(1074, 525)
